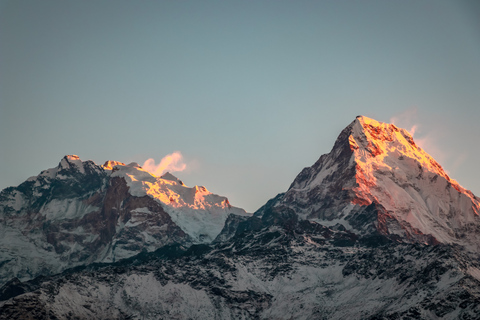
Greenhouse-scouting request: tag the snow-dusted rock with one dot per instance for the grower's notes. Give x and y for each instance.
(79, 213)
(289, 270)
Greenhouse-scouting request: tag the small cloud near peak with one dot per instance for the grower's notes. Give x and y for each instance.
(407, 119)
(170, 163)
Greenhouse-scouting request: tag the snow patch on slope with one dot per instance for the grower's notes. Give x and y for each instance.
(66, 209)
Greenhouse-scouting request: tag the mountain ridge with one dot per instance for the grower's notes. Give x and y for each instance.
(79, 213)
(375, 229)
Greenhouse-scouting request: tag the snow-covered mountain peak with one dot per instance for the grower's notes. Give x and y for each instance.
(71, 162)
(80, 212)
(374, 139)
(198, 212)
(71, 170)
(132, 172)
(110, 164)
(380, 147)
(376, 179)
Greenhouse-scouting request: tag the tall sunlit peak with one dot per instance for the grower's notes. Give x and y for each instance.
(369, 121)
(375, 143)
(374, 128)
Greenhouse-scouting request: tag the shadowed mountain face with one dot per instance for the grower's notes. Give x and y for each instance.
(373, 230)
(276, 268)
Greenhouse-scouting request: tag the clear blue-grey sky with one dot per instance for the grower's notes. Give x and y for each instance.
(250, 92)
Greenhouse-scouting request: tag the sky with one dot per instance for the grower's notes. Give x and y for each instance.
(241, 94)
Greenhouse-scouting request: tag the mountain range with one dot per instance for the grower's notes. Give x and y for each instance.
(375, 229)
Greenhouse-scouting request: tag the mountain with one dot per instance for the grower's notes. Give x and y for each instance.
(79, 213)
(376, 180)
(375, 229)
(287, 269)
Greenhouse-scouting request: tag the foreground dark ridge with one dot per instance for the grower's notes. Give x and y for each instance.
(283, 270)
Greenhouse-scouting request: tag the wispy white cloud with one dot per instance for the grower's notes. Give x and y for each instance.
(407, 119)
(170, 163)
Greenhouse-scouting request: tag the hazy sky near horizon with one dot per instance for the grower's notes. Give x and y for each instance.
(249, 92)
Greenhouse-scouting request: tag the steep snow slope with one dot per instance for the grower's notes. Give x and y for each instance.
(376, 179)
